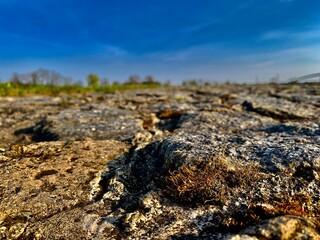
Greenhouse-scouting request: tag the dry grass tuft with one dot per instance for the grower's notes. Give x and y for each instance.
(299, 205)
(210, 183)
(222, 181)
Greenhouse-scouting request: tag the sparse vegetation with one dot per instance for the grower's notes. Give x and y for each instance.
(209, 183)
(217, 182)
(93, 80)
(299, 205)
(51, 83)
(11, 89)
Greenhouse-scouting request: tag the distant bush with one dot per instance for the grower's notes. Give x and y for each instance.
(133, 80)
(93, 80)
(150, 80)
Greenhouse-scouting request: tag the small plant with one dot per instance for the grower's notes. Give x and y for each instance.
(220, 181)
(299, 205)
(212, 182)
(93, 80)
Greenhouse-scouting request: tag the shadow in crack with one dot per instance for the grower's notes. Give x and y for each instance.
(169, 119)
(39, 132)
(137, 170)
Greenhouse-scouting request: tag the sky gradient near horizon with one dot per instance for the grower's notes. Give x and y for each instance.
(214, 40)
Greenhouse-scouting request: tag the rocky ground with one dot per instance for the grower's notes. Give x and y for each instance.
(218, 162)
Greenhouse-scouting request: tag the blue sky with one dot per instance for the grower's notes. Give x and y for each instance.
(182, 39)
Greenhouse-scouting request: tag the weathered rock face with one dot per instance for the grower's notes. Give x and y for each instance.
(93, 122)
(284, 227)
(45, 188)
(221, 162)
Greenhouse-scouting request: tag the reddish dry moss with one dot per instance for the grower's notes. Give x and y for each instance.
(220, 181)
(210, 183)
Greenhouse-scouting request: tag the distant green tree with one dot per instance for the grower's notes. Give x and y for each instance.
(150, 80)
(93, 80)
(133, 79)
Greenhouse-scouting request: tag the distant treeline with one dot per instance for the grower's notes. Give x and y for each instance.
(48, 82)
(53, 78)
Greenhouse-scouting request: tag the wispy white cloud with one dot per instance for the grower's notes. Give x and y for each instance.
(106, 52)
(274, 35)
(208, 23)
(222, 63)
(241, 7)
(203, 25)
(298, 35)
(287, 56)
(199, 26)
(204, 52)
(112, 51)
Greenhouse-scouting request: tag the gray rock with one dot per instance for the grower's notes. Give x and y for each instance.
(284, 227)
(219, 162)
(91, 122)
(280, 108)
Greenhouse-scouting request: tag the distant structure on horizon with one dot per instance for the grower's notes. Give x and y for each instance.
(315, 77)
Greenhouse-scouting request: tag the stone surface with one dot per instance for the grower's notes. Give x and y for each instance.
(93, 121)
(284, 228)
(214, 162)
(45, 187)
